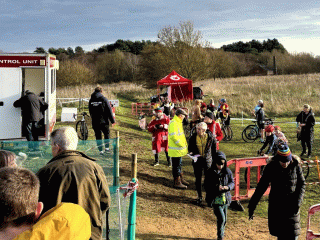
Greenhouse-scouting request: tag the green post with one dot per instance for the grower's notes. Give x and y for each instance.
(133, 200)
(116, 171)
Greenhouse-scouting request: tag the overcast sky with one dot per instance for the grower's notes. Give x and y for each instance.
(90, 24)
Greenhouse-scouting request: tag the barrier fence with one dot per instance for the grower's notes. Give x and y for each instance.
(258, 162)
(146, 108)
(119, 211)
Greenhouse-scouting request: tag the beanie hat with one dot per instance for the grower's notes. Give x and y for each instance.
(283, 153)
(218, 157)
(209, 114)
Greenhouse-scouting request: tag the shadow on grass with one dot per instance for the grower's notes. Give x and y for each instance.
(149, 236)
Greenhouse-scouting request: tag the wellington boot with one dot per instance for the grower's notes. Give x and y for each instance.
(184, 181)
(178, 184)
(169, 162)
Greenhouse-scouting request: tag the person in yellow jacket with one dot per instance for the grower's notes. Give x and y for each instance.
(20, 211)
(177, 147)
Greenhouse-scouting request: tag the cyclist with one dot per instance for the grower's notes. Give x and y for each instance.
(259, 114)
(279, 134)
(224, 113)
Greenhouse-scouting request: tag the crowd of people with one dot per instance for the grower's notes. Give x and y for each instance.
(283, 171)
(73, 186)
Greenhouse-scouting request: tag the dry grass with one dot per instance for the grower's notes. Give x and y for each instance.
(283, 95)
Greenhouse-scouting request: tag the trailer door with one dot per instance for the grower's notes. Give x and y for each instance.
(10, 91)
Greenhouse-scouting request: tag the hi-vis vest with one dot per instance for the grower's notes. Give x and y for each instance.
(177, 140)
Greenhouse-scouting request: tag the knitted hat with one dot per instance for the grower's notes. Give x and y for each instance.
(283, 153)
(209, 114)
(218, 157)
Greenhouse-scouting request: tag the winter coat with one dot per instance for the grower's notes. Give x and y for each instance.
(159, 135)
(285, 198)
(32, 107)
(71, 176)
(307, 130)
(100, 109)
(209, 149)
(177, 140)
(65, 221)
(212, 181)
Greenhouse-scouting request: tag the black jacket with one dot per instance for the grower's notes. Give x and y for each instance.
(212, 181)
(285, 198)
(32, 107)
(308, 119)
(260, 115)
(100, 109)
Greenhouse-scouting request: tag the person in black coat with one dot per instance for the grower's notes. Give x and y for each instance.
(32, 108)
(101, 114)
(203, 145)
(305, 121)
(218, 183)
(284, 174)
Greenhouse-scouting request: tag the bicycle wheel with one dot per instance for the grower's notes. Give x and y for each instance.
(82, 130)
(228, 134)
(250, 133)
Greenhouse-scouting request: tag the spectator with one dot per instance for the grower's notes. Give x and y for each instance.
(159, 129)
(214, 128)
(202, 145)
(284, 174)
(71, 176)
(20, 211)
(211, 106)
(101, 113)
(203, 107)
(259, 114)
(177, 148)
(196, 113)
(7, 159)
(218, 183)
(167, 106)
(32, 108)
(305, 121)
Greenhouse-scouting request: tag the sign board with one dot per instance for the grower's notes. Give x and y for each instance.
(114, 103)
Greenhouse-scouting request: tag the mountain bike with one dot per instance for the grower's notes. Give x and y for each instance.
(251, 132)
(227, 131)
(82, 127)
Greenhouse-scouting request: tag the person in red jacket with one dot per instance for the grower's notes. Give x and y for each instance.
(214, 127)
(159, 129)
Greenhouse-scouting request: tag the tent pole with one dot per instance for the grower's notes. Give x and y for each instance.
(181, 92)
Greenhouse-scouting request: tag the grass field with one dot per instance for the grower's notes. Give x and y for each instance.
(159, 206)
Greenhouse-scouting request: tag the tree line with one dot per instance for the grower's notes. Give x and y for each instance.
(180, 48)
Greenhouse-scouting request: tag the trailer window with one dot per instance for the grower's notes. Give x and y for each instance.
(53, 80)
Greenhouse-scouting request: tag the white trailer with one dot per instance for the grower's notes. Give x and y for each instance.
(20, 72)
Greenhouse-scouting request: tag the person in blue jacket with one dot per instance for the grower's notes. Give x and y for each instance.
(218, 183)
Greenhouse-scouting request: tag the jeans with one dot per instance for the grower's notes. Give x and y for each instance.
(104, 128)
(198, 168)
(221, 213)
(176, 166)
(30, 130)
